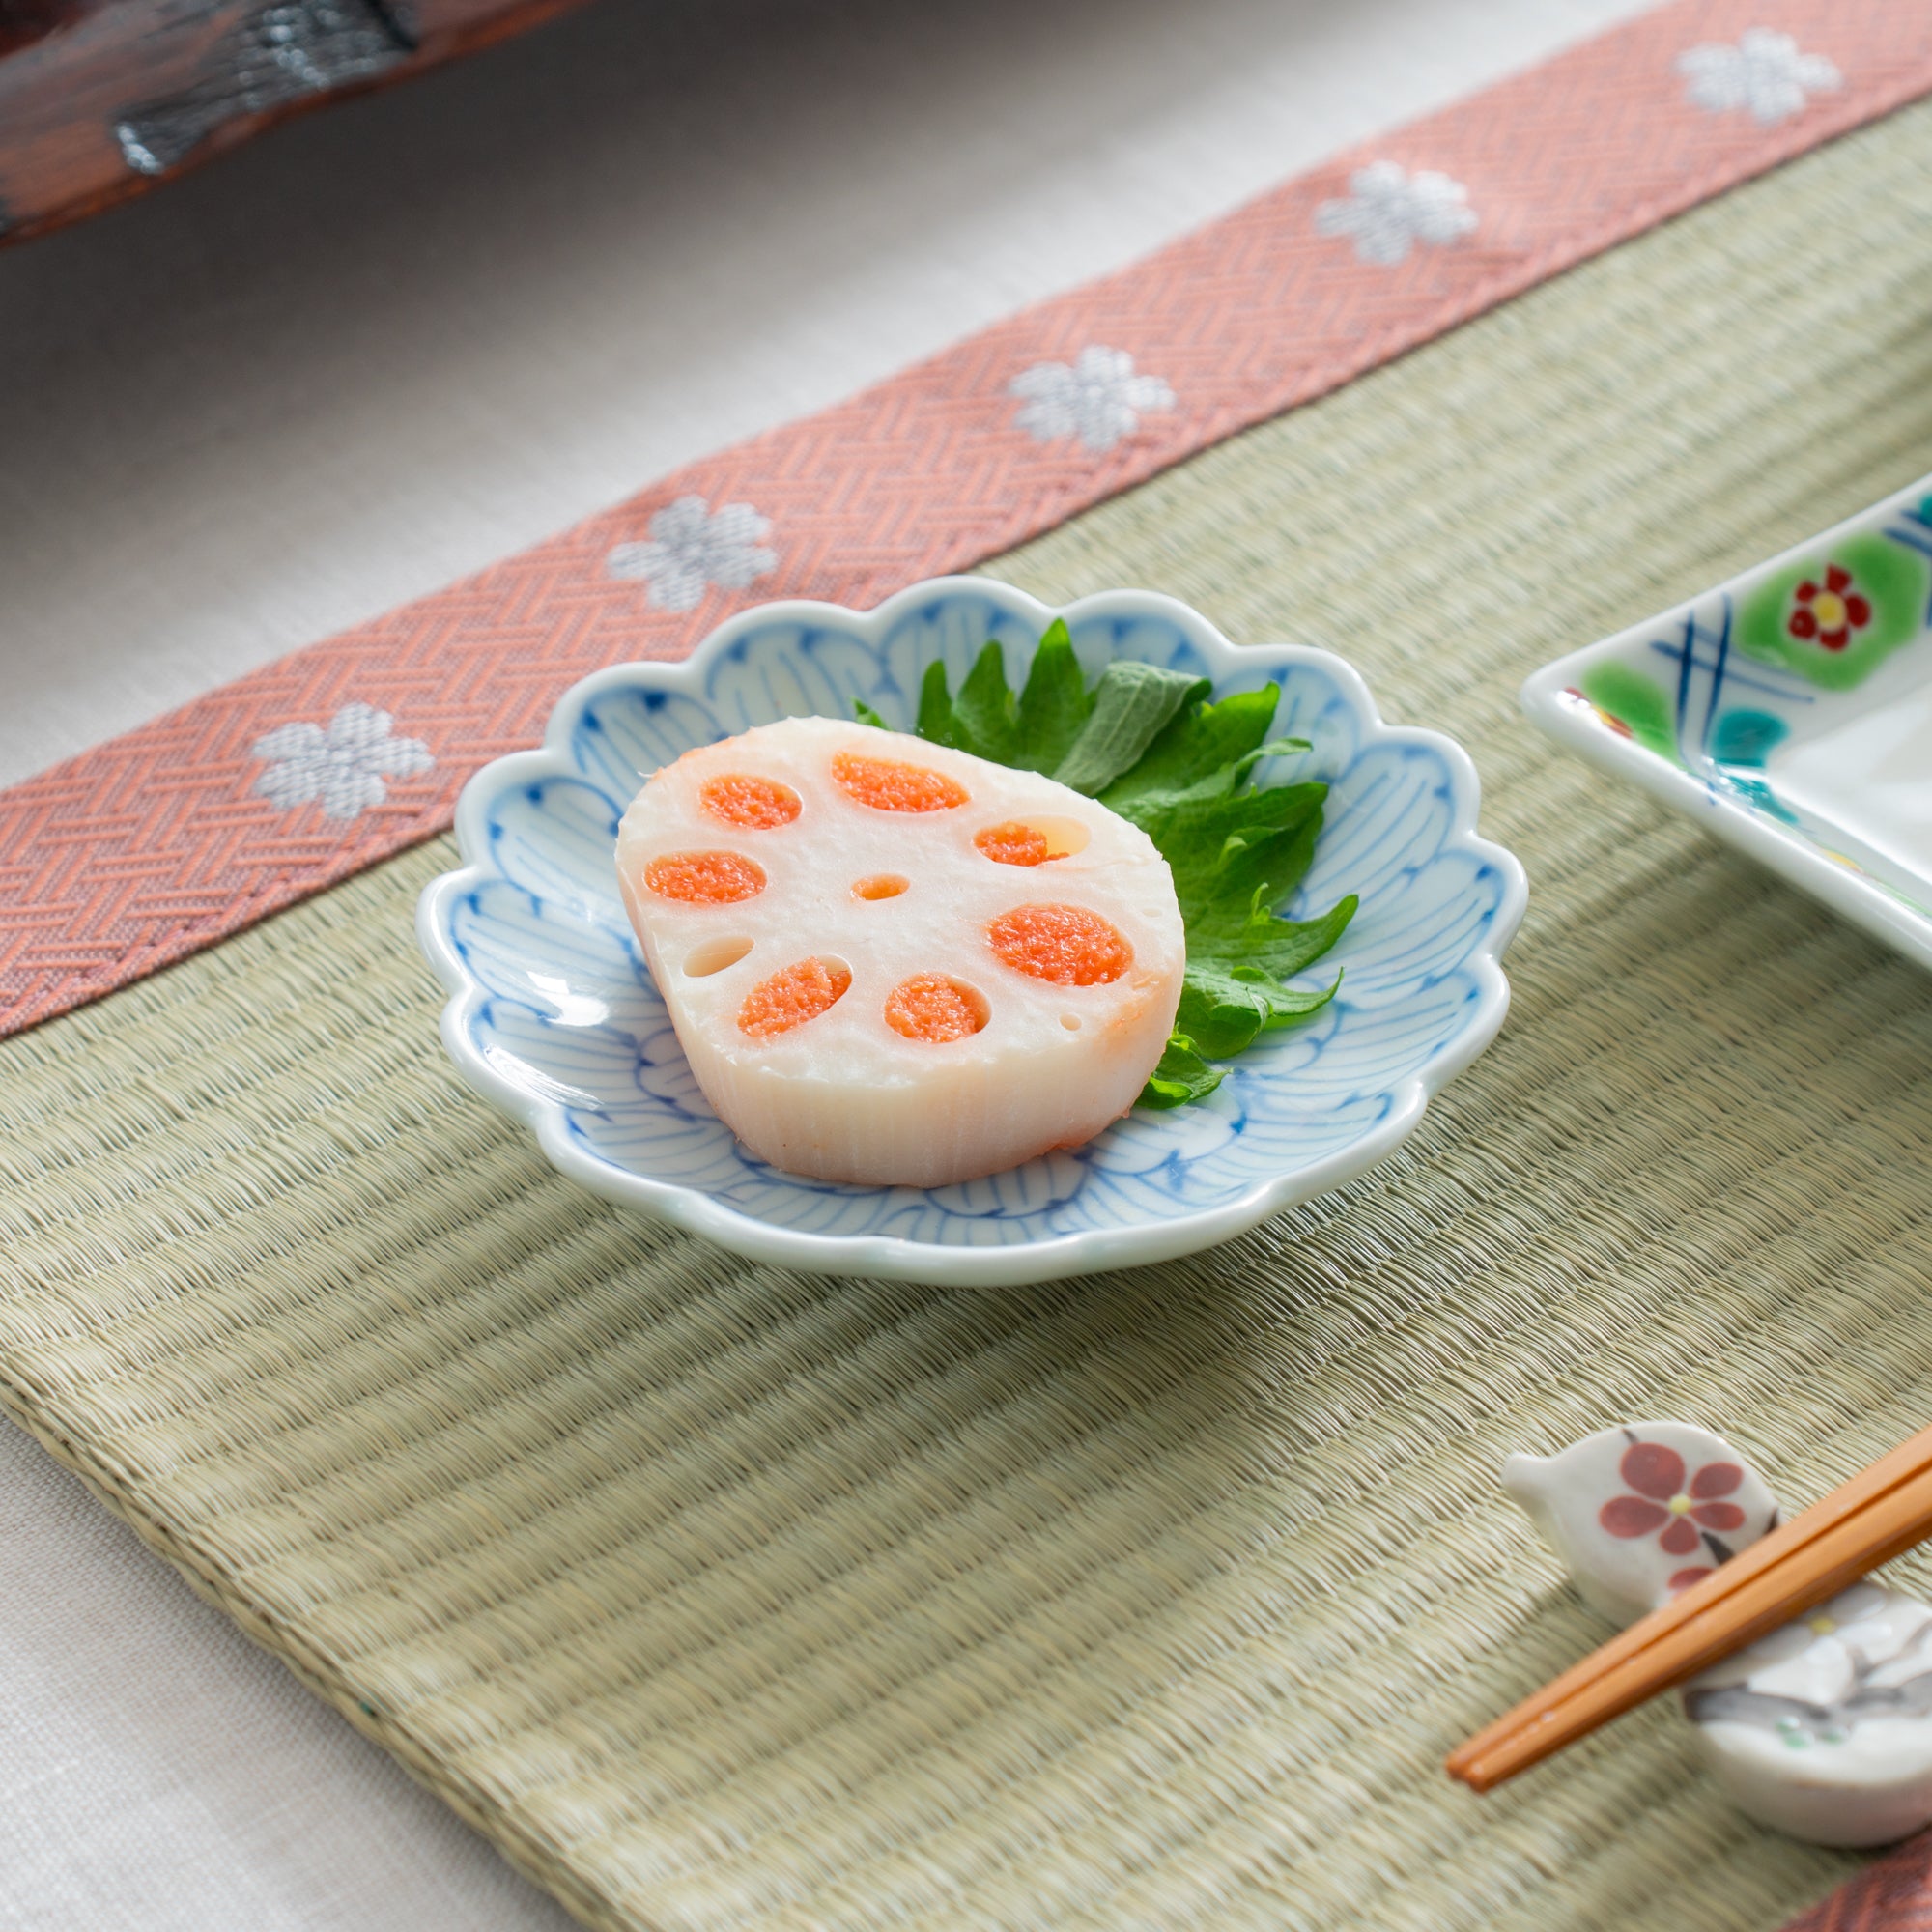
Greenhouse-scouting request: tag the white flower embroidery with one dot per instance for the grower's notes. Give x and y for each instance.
(1096, 397)
(343, 766)
(1388, 209)
(693, 549)
(1766, 73)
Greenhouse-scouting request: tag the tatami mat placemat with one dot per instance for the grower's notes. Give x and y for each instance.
(724, 1598)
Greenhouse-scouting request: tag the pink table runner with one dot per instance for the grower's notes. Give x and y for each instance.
(174, 836)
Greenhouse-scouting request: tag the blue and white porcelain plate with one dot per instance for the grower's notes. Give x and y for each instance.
(1788, 711)
(553, 1014)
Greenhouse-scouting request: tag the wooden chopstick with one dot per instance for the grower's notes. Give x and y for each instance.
(1864, 1523)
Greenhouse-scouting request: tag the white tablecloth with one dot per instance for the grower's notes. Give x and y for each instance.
(384, 346)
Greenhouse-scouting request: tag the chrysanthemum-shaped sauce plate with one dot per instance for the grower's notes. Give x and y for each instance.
(1788, 711)
(553, 1014)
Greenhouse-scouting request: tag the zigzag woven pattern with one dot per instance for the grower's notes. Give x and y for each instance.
(171, 836)
(1892, 1895)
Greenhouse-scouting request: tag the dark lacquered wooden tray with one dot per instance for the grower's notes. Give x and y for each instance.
(101, 99)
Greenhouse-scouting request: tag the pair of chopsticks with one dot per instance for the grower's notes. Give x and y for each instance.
(1860, 1526)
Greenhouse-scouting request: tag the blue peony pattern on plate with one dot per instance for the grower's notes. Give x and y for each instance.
(554, 1016)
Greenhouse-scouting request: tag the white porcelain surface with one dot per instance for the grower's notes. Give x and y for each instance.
(1807, 744)
(1824, 1728)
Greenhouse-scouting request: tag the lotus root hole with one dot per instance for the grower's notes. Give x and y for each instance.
(792, 996)
(934, 1008)
(754, 803)
(1031, 842)
(704, 878)
(714, 955)
(1063, 945)
(888, 784)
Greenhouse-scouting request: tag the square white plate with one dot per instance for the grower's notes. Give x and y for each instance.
(1788, 711)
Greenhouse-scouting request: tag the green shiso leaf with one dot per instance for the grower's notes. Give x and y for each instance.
(1132, 703)
(1055, 704)
(866, 715)
(1147, 744)
(984, 713)
(1183, 1075)
(936, 723)
(1227, 997)
(1035, 730)
(1203, 740)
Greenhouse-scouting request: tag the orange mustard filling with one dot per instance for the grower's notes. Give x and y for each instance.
(758, 805)
(1013, 845)
(1065, 945)
(704, 878)
(929, 1006)
(886, 784)
(792, 996)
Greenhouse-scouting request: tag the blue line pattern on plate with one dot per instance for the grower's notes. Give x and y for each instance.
(1705, 670)
(563, 1010)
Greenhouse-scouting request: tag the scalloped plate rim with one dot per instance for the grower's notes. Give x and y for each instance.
(893, 1256)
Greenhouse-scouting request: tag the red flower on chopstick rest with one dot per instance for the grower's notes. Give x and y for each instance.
(1829, 613)
(1672, 1503)
(1629, 1518)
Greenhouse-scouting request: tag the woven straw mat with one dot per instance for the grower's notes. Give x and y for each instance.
(725, 1598)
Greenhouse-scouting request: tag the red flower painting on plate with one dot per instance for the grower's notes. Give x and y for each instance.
(1828, 614)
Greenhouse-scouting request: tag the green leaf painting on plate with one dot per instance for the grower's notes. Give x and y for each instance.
(1634, 703)
(1836, 616)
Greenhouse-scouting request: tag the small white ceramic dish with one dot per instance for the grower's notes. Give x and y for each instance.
(553, 1017)
(1788, 711)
